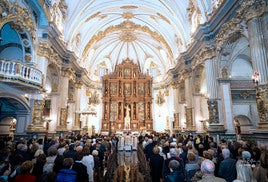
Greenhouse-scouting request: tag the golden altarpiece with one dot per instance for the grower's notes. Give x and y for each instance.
(127, 99)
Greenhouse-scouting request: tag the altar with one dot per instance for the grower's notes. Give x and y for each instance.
(126, 99)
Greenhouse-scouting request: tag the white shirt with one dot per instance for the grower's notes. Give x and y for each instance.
(88, 161)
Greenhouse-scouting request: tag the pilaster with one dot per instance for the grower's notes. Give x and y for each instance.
(63, 109)
(190, 126)
(37, 116)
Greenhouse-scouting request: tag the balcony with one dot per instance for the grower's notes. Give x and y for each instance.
(17, 73)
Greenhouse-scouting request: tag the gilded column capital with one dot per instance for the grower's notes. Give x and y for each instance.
(12, 12)
(206, 53)
(252, 8)
(175, 85)
(78, 84)
(67, 72)
(232, 28)
(44, 50)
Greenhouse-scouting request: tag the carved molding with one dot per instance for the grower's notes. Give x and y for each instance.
(12, 12)
(189, 119)
(230, 29)
(37, 113)
(262, 102)
(63, 119)
(213, 111)
(252, 8)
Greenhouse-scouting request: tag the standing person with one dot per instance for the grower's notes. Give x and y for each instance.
(67, 174)
(156, 165)
(244, 172)
(191, 166)
(260, 172)
(174, 175)
(173, 156)
(79, 167)
(208, 168)
(227, 168)
(25, 175)
(88, 161)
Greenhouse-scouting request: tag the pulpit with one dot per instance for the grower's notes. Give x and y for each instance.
(127, 99)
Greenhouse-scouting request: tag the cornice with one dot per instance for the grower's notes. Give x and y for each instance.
(207, 31)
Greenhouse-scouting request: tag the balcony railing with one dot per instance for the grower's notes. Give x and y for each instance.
(17, 71)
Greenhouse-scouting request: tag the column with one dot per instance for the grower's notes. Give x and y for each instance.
(55, 98)
(264, 22)
(77, 98)
(227, 107)
(254, 12)
(63, 110)
(214, 104)
(198, 114)
(176, 107)
(189, 103)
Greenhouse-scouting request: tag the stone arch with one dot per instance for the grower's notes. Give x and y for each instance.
(13, 106)
(232, 53)
(244, 122)
(16, 44)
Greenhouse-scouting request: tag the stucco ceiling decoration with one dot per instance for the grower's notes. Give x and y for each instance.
(127, 26)
(145, 31)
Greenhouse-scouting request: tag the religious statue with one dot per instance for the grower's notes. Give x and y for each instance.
(127, 117)
(237, 129)
(127, 111)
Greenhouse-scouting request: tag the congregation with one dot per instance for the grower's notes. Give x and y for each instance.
(169, 158)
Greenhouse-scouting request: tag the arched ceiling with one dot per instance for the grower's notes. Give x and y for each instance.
(152, 33)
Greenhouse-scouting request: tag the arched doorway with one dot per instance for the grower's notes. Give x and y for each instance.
(243, 123)
(14, 115)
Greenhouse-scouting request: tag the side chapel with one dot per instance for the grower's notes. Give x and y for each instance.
(127, 99)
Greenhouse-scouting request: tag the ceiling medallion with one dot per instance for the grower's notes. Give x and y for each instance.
(127, 15)
(127, 37)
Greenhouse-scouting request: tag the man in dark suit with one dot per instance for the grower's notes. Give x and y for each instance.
(227, 168)
(156, 165)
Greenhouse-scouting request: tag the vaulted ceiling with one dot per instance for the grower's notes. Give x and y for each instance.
(152, 33)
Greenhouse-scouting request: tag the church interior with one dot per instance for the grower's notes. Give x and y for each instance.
(137, 66)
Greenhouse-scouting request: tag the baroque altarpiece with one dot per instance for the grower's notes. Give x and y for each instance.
(127, 99)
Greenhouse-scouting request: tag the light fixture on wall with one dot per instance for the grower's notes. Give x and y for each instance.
(256, 77)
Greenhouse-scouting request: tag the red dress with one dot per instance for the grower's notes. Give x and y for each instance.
(25, 178)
